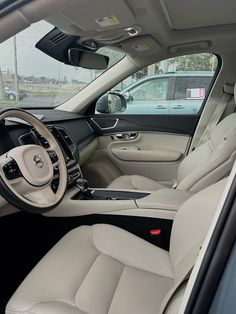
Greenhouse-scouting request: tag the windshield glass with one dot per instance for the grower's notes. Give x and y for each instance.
(30, 78)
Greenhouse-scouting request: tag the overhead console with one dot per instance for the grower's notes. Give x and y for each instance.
(112, 16)
(121, 23)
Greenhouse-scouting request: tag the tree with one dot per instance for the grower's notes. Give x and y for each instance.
(195, 62)
(139, 74)
(157, 68)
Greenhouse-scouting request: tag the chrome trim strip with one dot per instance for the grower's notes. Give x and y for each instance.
(108, 128)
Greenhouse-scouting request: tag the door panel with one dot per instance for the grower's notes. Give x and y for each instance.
(154, 155)
(162, 155)
(147, 145)
(177, 124)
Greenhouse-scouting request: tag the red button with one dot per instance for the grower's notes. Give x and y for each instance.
(155, 231)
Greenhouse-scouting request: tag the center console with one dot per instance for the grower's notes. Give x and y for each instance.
(109, 195)
(81, 200)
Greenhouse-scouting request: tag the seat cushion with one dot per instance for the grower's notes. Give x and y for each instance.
(96, 270)
(135, 183)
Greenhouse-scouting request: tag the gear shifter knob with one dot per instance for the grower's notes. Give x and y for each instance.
(82, 184)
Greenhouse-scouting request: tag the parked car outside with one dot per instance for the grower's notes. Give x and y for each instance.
(171, 93)
(10, 93)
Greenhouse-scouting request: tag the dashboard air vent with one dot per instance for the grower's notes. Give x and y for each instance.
(41, 139)
(66, 137)
(26, 139)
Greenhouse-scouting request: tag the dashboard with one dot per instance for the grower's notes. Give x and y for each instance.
(72, 131)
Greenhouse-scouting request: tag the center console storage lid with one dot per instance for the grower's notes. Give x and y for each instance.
(166, 198)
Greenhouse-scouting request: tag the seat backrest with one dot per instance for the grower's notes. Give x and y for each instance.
(191, 224)
(212, 160)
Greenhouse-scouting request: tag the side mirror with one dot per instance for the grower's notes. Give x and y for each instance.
(111, 102)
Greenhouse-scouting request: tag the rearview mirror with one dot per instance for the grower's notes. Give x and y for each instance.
(111, 102)
(87, 59)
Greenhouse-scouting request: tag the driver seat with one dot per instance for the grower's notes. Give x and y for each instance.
(103, 269)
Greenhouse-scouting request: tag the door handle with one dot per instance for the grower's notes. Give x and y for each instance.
(120, 136)
(132, 136)
(125, 136)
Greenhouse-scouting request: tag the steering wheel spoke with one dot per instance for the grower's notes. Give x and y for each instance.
(43, 196)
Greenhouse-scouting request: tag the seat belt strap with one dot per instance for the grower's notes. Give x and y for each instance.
(225, 99)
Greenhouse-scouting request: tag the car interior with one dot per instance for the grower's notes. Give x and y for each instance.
(106, 210)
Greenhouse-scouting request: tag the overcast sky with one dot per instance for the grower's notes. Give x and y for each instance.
(32, 61)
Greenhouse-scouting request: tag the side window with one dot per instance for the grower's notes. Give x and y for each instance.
(190, 92)
(174, 86)
(149, 90)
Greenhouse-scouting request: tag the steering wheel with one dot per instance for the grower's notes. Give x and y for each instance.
(26, 172)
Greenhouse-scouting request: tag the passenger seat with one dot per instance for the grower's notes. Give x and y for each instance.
(204, 166)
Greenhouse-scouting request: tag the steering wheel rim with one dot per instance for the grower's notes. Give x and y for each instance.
(32, 191)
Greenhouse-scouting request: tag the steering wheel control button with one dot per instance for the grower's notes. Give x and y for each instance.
(11, 170)
(53, 156)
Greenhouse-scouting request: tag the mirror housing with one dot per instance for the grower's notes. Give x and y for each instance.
(111, 102)
(87, 59)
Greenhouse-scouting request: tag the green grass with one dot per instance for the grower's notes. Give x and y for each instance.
(7, 102)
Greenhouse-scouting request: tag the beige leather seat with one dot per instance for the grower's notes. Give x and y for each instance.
(209, 163)
(103, 269)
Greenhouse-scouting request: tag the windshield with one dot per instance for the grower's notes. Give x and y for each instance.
(30, 79)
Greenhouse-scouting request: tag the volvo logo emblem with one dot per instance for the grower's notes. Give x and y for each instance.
(38, 161)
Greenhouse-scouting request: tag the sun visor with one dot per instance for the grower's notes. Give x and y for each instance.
(142, 46)
(94, 15)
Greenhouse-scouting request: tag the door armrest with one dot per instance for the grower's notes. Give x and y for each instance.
(136, 154)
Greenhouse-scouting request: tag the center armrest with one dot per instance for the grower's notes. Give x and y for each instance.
(164, 199)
